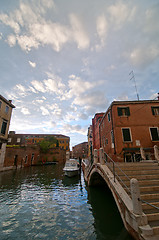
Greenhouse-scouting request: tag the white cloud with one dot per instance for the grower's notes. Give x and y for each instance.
(74, 129)
(142, 56)
(78, 33)
(9, 21)
(39, 86)
(154, 96)
(44, 110)
(92, 102)
(25, 111)
(78, 86)
(102, 29)
(11, 40)
(27, 42)
(120, 13)
(32, 64)
(20, 90)
(32, 30)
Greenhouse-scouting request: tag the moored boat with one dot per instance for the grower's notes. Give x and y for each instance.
(71, 168)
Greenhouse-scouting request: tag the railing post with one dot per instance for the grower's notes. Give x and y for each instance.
(142, 152)
(156, 152)
(101, 156)
(95, 156)
(67, 156)
(135, 195)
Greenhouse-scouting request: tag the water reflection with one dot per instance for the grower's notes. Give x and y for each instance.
(107, 220)
(41, 203)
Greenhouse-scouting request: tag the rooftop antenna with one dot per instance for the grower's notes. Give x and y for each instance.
(133, 78)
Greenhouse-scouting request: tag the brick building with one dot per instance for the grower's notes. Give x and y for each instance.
(90, 142)
(34, 139)
(25, 156)
(6, 107)
(95, 130)
(80, 150)
(128, 125)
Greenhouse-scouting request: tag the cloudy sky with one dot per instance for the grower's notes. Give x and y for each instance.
(62, 61)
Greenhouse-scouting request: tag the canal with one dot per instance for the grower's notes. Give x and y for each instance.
(41, 203)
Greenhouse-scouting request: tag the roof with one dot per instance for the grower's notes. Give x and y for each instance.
(38, 134)
(134, 102)
(126, 103)
(9, 102)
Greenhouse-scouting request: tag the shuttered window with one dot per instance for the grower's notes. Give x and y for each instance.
(154, 134)
(155, 110)
(123, 111)
(4, 126)
(109, 117)
(126, 134)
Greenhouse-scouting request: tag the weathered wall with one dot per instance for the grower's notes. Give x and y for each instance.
(139, 122)
(31, 155)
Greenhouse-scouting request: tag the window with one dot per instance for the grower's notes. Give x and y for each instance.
(154, 134)
(109, 117)
(6, 109)
(123, 111)
(112, 136)
(126, 134)
(4, 126)
(26, 159)
(155, 110)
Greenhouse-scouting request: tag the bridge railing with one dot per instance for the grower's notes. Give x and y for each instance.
(115, 166)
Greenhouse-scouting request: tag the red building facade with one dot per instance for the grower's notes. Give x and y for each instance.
(80, 150)
(95, 130)
(128, 125)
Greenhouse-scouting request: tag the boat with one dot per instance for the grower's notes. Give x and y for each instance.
(71, 168)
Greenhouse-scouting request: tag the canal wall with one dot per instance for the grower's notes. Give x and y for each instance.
(18, 157)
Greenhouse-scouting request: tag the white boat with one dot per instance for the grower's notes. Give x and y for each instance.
(71, 168)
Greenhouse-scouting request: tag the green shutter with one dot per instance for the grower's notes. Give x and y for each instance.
(127, 111)
(119, 111)
(153, 112)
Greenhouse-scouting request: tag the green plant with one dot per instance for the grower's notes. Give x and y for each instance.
(47, 143)
(54, 159)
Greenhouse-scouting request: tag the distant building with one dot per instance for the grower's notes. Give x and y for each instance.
(34, 139)
(128, 125)
(6, 107)
(90, 142)
(95, 130)
(80, 150)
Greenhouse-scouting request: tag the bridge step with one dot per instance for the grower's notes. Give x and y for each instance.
(147, 190)
(136, 168)
(148, 207)
(154, 196)
(148, 176)
(137, 172)
(156, 230)
(153, 217)
(141, 177)
(145, 183)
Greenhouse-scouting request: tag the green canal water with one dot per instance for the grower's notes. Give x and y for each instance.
(41, 203)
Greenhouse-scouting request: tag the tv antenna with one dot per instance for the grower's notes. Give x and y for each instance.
(133, 78)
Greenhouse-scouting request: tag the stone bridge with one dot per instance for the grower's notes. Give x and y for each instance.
(138, 206)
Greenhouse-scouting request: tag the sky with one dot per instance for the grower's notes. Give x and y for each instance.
(62, 61)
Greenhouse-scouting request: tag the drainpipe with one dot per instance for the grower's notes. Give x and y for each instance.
(113, 129)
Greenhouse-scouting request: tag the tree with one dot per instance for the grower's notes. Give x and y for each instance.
(47, 143)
